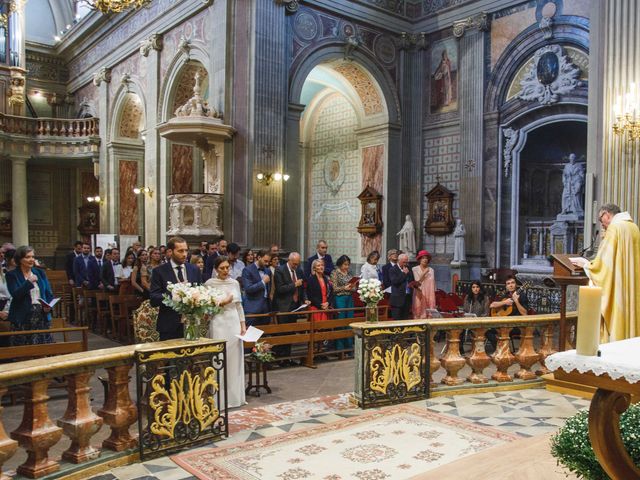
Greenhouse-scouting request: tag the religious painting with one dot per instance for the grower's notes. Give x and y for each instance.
(89, 219)
(439, 211)
(371, 217)
(444, 76)
(334, 171)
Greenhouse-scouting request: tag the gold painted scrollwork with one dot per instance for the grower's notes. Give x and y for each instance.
(398, 365)
(394, 331)
(188, 398)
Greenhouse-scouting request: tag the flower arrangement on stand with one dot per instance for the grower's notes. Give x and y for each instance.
(261, 351)
(370, 292)
(193, 302)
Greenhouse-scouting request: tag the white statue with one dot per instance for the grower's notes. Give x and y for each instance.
(459, 255)
(572, 181)
(407, 237)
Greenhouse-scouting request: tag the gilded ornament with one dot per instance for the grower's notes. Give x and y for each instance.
(369, 332)
(189, 398)
(184, 352)
(399, 365)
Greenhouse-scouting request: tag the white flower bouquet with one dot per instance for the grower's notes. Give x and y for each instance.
(193, 302)
(370, 291)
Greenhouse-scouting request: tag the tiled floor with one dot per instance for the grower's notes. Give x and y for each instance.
(526, 412)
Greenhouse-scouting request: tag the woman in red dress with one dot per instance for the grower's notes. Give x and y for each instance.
(319, 290)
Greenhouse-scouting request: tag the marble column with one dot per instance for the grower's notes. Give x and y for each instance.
(19, 206)
(270, 113)
(471, 135)
(102, 79)
(294, 201)
(614, 64)
(151, 49)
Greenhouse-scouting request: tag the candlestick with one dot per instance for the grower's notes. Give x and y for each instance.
(588, 334)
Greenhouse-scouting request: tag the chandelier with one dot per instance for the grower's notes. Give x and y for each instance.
(627, 115)
(115, 6)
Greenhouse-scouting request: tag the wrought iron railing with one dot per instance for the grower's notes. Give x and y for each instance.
(542, 300)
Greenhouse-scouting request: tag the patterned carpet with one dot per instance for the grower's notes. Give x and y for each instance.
(391, 443)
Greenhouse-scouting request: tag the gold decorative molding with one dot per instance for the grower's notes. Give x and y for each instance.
(188, 399)
(393, 331)
(399, 365)
(480, 21)
(184, 352)
(154, 42)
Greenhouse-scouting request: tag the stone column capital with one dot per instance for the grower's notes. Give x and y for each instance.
(154, 42)
(102, 75)
(291, 6)
(479, 21)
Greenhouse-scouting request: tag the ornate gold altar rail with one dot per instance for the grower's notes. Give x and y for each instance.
(38, 433)
(528, 354)
(49, 127)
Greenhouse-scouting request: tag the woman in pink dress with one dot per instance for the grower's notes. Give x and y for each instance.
(424, 293)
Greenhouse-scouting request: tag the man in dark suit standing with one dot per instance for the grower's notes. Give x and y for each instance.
(70, 258)
(400, 277)
(86, 272)
(256, 281)
(110, 269)
(392, 260)
(321, 253)
(212, 254)
(175, 270)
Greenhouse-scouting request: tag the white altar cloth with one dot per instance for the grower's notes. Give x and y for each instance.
(618, 359)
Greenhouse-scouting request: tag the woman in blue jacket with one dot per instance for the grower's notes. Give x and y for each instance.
(28, 286)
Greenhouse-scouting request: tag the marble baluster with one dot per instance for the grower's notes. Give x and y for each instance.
(478, 359)
(452, 361)
(79, 423)
(8, 447)
(503, 358)
(546, 348)
(434, 362)
(526, 355)
(37, 433)
(119, 411)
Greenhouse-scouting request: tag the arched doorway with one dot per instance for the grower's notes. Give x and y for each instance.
(345, 142)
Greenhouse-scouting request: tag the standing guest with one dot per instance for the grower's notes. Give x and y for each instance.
(424, 292)
(237, 267)
(169, 325)
(400, 277)
(204, 249)
(392, 260)
(214, 252)
(9, 260)
(99, 254)
(198, 261)
(343, 288)
(86, 272)
(256, 282)
(223, 247)
(319, 290)
(70, 258)
(139, 275)
(155, 260)
(274, 263)
(275, 252)
(225, 326)
(28, 286)
(127, 266)
(111, 270)
(5, 248)
(167, 255)
(213, 249)
(321, 254)
(5, 300)
(370, 270)
(163, 252)
(289, 294)
(248, 257)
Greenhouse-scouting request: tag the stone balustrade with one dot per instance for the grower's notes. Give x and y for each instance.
(195, 214)
(538, 338)
(49, 127)
(38, 433)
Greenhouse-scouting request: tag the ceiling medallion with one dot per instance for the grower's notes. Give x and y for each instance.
(115, 6)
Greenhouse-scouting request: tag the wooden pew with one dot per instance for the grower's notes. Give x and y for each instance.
(23, 352)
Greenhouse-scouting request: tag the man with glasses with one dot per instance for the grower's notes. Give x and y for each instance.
(615, 269)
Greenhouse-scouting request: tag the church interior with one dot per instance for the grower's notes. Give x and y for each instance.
(488, 137)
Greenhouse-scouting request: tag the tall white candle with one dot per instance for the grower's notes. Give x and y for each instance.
(588, 335)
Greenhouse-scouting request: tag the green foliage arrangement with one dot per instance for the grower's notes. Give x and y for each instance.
(572, 448)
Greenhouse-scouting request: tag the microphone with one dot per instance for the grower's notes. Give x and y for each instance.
(593, 242)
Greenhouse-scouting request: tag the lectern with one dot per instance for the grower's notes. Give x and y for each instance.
(566, 273)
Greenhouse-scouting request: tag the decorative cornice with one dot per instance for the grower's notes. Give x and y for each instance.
(480, 21)
(102, 75)
(154, 42)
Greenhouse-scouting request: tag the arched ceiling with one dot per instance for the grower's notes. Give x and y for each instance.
(45, 19)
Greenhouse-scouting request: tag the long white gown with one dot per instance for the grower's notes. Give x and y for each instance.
(225, 326)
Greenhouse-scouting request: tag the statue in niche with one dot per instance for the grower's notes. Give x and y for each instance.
(459, 255)
(572, 183)
(407, 237)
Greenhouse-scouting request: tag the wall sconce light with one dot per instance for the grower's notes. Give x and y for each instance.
(627, 114)
(144, 190)
(267, 178)
(95, 199)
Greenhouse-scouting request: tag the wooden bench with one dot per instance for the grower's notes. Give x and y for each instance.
(23, 352)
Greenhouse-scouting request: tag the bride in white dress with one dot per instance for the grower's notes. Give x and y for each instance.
(225, 326)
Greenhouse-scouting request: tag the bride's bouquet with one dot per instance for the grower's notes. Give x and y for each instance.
(193, 302)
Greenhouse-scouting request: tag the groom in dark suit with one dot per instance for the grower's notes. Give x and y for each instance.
(174, 271)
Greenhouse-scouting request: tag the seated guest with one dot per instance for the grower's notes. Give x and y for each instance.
(476, 301)
(28, 286)
(321, 254)
(256, 282)
(370, 270)
(319, 290)
(86, 272)
(513, 303)
(343, 288)
(139, 275)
